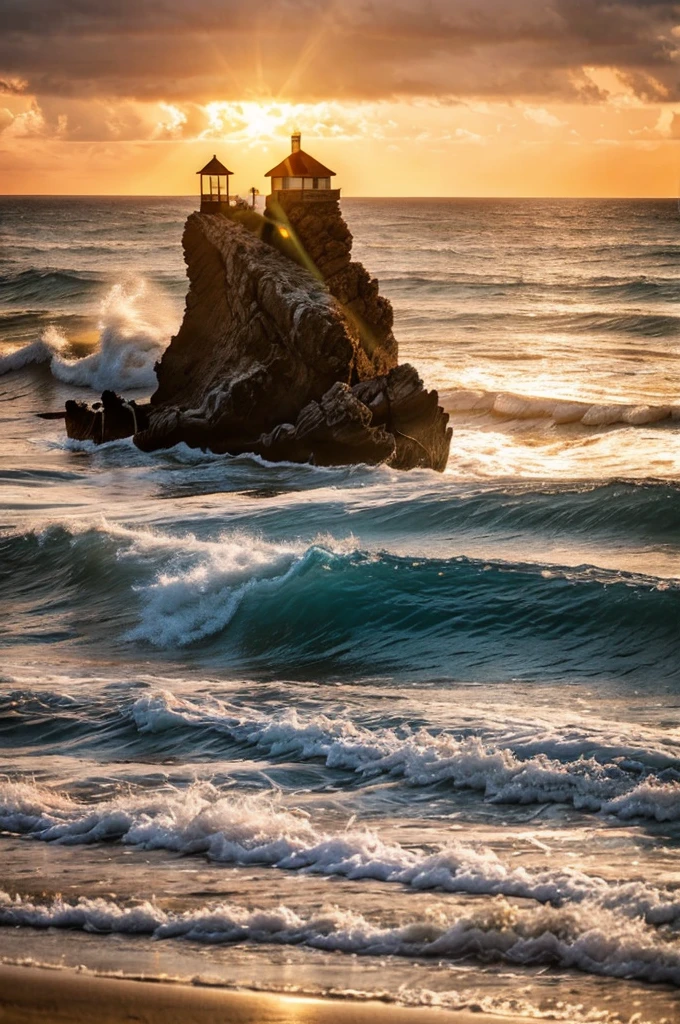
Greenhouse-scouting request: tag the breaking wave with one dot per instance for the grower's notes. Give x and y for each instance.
(590, 772)
(586, 938)
(559, 411)
(129, 345)
(594, 769)
(256, 830)
(256, 603)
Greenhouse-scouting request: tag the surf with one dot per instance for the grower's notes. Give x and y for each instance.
(133, 332)
(259, 830)
(584, 938)
(304, 605)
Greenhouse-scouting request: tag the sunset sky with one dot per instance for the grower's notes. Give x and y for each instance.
(439, 98)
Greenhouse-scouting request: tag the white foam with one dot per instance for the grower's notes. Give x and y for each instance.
(47, 348)
(630, 452)
(620, 784)
(134, 329)
(187, 603)
(558, 410)
(586, 938)
(245, 829)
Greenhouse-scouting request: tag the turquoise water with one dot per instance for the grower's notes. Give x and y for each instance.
(351, 729)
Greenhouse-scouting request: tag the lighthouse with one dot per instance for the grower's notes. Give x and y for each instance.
(300, 178)
(214, 187)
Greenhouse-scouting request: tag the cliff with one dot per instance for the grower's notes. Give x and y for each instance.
(285, 350)
(324, 237)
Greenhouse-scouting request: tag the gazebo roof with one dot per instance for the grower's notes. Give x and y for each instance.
(300, 165)
(214, 167)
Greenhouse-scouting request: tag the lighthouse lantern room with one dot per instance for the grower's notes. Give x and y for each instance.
(214, 187)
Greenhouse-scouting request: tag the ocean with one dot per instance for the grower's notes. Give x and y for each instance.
(353, 731)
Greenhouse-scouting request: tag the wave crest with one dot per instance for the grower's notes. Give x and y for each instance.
(619, 779)
(305, 605)
(559, 410)
(129, 345)
(255, 830)
(586, 938)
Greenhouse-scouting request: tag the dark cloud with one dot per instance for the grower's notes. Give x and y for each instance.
(358, 49)
(12, 87)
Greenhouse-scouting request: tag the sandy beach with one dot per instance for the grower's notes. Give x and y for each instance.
(30, 994)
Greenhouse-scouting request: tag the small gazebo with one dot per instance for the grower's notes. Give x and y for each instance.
(300, 177)
(214, 187)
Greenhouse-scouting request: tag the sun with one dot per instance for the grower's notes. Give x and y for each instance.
(264, 120)
(251, 121)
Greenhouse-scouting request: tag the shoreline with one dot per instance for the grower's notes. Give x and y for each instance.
(29, 995)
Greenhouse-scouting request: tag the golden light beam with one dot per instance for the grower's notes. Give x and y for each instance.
(211, 45)
(310, 48)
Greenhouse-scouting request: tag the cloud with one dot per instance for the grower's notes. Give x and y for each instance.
(12, 86)
(543, 117)
(27, 124)
(167, 51)
(463, 135)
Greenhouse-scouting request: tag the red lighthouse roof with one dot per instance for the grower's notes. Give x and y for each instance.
(300, 165)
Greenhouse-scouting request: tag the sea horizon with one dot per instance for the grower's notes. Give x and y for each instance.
(474, 198)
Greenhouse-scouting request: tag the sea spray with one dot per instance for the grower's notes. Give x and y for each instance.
(48, 349)
(134, 329)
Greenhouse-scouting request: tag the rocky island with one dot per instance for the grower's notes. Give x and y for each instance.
(286, 350)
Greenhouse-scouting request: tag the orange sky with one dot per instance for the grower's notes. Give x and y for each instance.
(514, 98)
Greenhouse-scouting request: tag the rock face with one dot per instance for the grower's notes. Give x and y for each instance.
(327, 240)
(384, 419)
(261, 337)
(286, 350)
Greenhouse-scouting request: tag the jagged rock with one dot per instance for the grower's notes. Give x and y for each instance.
(261, 337)
(108, 420)
(286, 350)
(412, 415)
(385, 419)
(334, 431)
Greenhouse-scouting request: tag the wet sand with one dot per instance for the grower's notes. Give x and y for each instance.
(30, 994)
